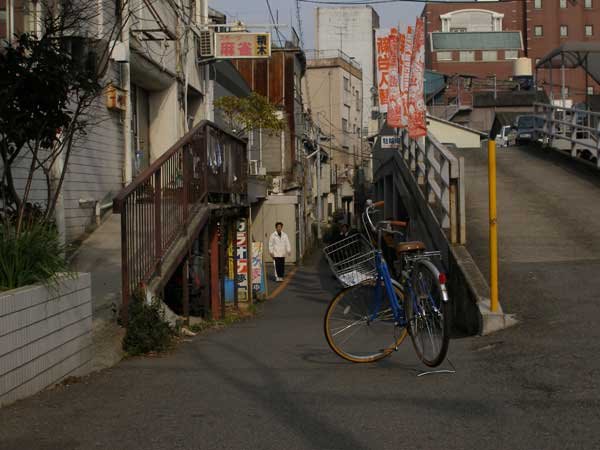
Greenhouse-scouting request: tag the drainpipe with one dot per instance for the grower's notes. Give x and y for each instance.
(208, 83)
(126, 86)
(562, 79)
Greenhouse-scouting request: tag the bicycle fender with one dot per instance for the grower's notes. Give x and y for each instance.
(435, 270)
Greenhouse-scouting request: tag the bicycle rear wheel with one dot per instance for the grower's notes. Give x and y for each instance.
(426, 313)
(359, 326)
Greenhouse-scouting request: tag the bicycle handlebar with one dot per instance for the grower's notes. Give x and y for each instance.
(368, 222)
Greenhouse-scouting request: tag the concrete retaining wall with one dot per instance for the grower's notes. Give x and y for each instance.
(45, 336)
(404, 200)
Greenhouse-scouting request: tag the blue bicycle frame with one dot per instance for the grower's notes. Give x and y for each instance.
(383, 274)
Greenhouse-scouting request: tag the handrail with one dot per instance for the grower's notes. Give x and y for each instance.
(159, 204)
(440, 177)
(569, 129)
(146, 173)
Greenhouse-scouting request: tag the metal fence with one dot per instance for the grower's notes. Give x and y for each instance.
(573, 130)
(440, 177)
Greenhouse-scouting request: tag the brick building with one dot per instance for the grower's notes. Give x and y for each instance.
(485, 38)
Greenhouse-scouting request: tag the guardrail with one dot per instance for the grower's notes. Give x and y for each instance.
(158, 204)
(440, 177)
(573, 130)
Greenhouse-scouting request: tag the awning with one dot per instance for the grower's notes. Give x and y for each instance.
(573, 55)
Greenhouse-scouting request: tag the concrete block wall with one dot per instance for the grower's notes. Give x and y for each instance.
(45, 336)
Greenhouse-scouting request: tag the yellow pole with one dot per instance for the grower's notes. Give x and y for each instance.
(493, 226)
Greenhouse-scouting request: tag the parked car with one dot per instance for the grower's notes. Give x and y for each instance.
(507, 136)
(526, 128)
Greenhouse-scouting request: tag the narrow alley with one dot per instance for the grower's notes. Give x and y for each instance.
(272, 383)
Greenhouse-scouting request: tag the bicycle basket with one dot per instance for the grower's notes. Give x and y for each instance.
(352, 260)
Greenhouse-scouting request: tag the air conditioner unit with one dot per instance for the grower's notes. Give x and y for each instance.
(206, 44)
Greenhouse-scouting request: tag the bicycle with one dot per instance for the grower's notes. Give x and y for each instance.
(368, 319)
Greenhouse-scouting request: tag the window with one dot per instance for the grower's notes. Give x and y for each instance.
(444, 56)
(566, 91)
(587, 4)
(590, 90)
(357, 101)
(563, 4)
(589, 30)
(538, 30)
(347, 84)
(537, 4)
(345, 125)
(467, 56)
(16, 16)
(564, 31)
(3, 20)
(458, 30)
(489, 55)
(511, 54)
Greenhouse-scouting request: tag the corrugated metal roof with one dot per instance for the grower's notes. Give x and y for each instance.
(477, 40)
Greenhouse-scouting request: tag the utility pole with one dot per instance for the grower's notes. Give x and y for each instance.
(319, 200)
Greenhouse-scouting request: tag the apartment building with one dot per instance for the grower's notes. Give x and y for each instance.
(334, 82)
(351, 29)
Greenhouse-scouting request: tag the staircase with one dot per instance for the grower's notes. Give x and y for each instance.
(165, 207)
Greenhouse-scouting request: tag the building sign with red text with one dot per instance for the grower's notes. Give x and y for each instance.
(242, 45)
(383, 69)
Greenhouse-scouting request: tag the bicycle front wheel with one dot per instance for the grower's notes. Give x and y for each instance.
(426, 313)
(360, 324)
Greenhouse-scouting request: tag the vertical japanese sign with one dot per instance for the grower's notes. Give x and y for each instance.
(242, 45)
(257, 267)
(405, 78)
(241, 278)
(401, 46)
(417, 126)
(394, 106)
(383, 69)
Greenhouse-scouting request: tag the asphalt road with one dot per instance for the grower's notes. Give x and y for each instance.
(272, 383)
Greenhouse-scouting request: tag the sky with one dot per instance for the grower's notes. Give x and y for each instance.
(256, 12)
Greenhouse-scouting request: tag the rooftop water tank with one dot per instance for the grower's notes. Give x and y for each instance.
(522, 67)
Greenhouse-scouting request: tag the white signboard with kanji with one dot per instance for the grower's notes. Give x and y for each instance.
(242, 45)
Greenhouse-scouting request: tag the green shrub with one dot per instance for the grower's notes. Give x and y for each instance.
(36, 255)
(147, 329)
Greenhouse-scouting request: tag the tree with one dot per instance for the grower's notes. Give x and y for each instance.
(244, 114)
(48, 81)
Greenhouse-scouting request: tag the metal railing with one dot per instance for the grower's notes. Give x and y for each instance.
(159, 203)
(332, 54)
(440, 177)
(573, 130)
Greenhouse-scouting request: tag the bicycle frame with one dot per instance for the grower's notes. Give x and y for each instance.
(383, 275)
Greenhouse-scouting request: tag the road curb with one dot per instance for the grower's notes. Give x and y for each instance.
(489, 322)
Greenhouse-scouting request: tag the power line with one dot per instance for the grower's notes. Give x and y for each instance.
(279, 35)
(376, 2)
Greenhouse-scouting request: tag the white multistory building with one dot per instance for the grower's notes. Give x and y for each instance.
(351, 29)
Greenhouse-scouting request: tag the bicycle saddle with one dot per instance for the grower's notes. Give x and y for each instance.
(408, 247)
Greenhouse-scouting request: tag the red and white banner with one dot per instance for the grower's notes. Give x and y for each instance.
(394, 110)
(405, 78)
(417, 125)
(383, 69)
